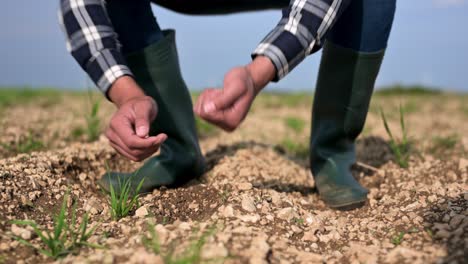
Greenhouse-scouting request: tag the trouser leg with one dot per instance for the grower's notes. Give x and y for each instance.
(134, 23)
(217, 7)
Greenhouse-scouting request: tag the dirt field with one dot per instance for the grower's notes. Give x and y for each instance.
(257, 202)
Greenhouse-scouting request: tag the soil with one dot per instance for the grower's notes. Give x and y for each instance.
(257, 195)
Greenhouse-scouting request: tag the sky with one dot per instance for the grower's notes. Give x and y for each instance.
(428, 46)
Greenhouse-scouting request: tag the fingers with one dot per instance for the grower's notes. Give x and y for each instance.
(227, 108)
(145, 113)
(123, 127)
(135, 154)
(215, 117)
(223, 100)
(198, 108)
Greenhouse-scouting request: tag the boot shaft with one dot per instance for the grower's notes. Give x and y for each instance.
(343, 93)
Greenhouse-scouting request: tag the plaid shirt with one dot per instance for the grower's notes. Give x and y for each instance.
(93, 42)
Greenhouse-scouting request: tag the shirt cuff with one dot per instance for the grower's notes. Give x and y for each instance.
(106, 67)
(285, 50)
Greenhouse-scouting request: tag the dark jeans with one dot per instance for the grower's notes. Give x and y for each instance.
(364, 26)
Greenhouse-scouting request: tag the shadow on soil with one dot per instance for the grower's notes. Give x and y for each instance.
(372, 151)
(448, 225)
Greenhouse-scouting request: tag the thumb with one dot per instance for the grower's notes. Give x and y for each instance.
(222, 99)
(144, 114)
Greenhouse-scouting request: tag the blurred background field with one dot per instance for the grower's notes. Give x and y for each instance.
(35, 119)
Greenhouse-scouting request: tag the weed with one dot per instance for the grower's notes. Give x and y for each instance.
(401, 149)
(192, 254)
(26, 144)
(65, 238)
(125, 199)
(397, 239)
(295, 124)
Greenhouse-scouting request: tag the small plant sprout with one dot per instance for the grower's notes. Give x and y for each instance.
(442, 144)
(26, 144)
(92, 119)
(296, 124)
(224, 195)
(125, 199)
(401, 149)
(191, 254)
(151, 242)
(298, 221)
(398, 238)
(65, 238)
(297, 149)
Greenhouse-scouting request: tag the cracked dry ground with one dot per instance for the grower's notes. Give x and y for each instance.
(258, 196)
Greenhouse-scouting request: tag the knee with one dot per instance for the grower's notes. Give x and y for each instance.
(134, 23)
(365, 25)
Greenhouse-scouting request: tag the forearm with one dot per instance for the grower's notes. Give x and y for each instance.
(124, 89)
(262, 71)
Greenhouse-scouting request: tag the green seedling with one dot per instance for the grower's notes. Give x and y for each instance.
(298, 150)
(224, 195)
(401, 149)
(92, 119)
(298, 221)
(24, 145)
(77, 132)
(191, 255)
(441, 143)
(126, 199)
(295, 124)
(430, 233)
(151, 242)
(65, 238)
(397, 239)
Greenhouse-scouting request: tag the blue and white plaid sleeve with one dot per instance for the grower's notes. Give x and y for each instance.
(92, 41)
(299, 33)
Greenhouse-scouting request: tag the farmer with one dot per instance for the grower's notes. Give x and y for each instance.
(134, 63)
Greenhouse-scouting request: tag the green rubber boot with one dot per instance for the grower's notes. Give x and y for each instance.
(156, 70)
(344, 89)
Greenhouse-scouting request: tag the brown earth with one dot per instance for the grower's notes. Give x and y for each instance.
(258, 194)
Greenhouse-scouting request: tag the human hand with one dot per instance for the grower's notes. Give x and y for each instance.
(228, 107)
(128, 130)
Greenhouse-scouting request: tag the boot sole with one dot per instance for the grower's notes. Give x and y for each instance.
(348, 205)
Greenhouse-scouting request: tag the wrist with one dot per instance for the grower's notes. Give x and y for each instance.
(124, 89)
(262, 71)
